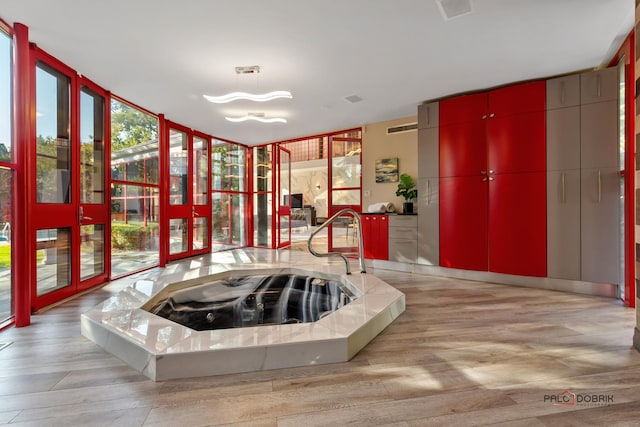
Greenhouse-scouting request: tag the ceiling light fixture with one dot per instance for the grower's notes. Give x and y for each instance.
(235, 96)
(258, 117)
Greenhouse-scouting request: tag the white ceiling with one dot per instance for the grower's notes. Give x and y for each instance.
(165, 54)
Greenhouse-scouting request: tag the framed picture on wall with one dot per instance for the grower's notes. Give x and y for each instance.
(387, 170)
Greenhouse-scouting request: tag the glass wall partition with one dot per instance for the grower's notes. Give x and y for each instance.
(135, 201)
(263, 223)
(228, 195)
(6, 177)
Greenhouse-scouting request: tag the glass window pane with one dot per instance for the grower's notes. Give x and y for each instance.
(134, 144)
(53, 259)
(134, 228)
(5, 98)
(200, 234)
(91, 147)
(228, 225)
(262, 168)
(262, 220)
(345, 197)
(91, 250)
(178, 157)
(53, 154)
(178, 231)
(200, 171)
(345, 164)
(6, 295)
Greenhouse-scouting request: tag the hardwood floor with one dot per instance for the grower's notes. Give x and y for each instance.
(463, 353)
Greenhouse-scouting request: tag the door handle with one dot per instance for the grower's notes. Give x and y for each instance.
(599, 187)
(564, 188)
(193, 212)
(428, 192)
(81, 216)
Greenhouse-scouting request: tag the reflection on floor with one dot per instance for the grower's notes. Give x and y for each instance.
(463, 354)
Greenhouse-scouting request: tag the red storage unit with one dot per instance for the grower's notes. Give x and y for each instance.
(375, 236)
(463, 223)
(492, 181)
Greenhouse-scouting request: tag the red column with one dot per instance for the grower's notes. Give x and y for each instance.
(163, 165)
(23, 185)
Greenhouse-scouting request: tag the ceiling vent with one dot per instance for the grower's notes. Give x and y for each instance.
(353, 99)
(453, 8)
(407, 127)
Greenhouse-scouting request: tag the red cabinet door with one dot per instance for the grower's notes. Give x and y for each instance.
(463, 149)
(516, 143)
(367, 236)
(518, 224)
(463, 223)
(516, 99)
(383, 238)
(462, 109)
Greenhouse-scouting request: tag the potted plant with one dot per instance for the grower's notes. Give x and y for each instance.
(407, 189)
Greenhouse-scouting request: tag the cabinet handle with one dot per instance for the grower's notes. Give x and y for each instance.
(599, 186)
(484, 117)
(562, 92)
(484, 179)
(491, 178)
(564, 187)
(492, 115)
(428, 191)
(483, 172)
(599, 85)
(491, 171)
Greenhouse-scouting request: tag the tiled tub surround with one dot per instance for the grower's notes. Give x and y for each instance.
(161, 349)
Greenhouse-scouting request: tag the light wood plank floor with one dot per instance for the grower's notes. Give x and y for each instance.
(463, 353)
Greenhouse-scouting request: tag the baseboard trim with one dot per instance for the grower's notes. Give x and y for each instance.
(572, 286)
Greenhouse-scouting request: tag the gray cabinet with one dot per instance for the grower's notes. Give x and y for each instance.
(563, 139)
(428, 115)
(599, 86)
(428, 221)
(428, 157)
(563, 224)
(599, 135)
(583, 179)
(600, 225)
(563, 92)
(403, 241)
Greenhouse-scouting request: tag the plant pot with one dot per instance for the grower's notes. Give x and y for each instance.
(407, 208)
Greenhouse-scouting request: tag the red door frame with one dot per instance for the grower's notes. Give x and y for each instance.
(281, 209)
(333, 209)
(188, 210)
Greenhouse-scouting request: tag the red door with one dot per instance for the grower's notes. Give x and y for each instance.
(463, 223)
(188, 210)
(518, 224)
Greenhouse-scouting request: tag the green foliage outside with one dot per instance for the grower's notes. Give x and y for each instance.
(5, 256)
(132, 236)
(130, 126)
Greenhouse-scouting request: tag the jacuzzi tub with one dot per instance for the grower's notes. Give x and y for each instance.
(162, 349)
(240, 301)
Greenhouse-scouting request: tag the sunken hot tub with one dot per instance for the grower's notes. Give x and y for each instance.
(222, 319)
(242, 301)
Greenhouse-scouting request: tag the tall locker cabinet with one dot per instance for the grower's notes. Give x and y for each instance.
(428, 185)
(563, 178)
(600, 177)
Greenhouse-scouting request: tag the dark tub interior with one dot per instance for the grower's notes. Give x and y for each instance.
(253, 300)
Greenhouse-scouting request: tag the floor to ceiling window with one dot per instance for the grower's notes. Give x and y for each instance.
(6, 174)
(135, 202)
(228, 195)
